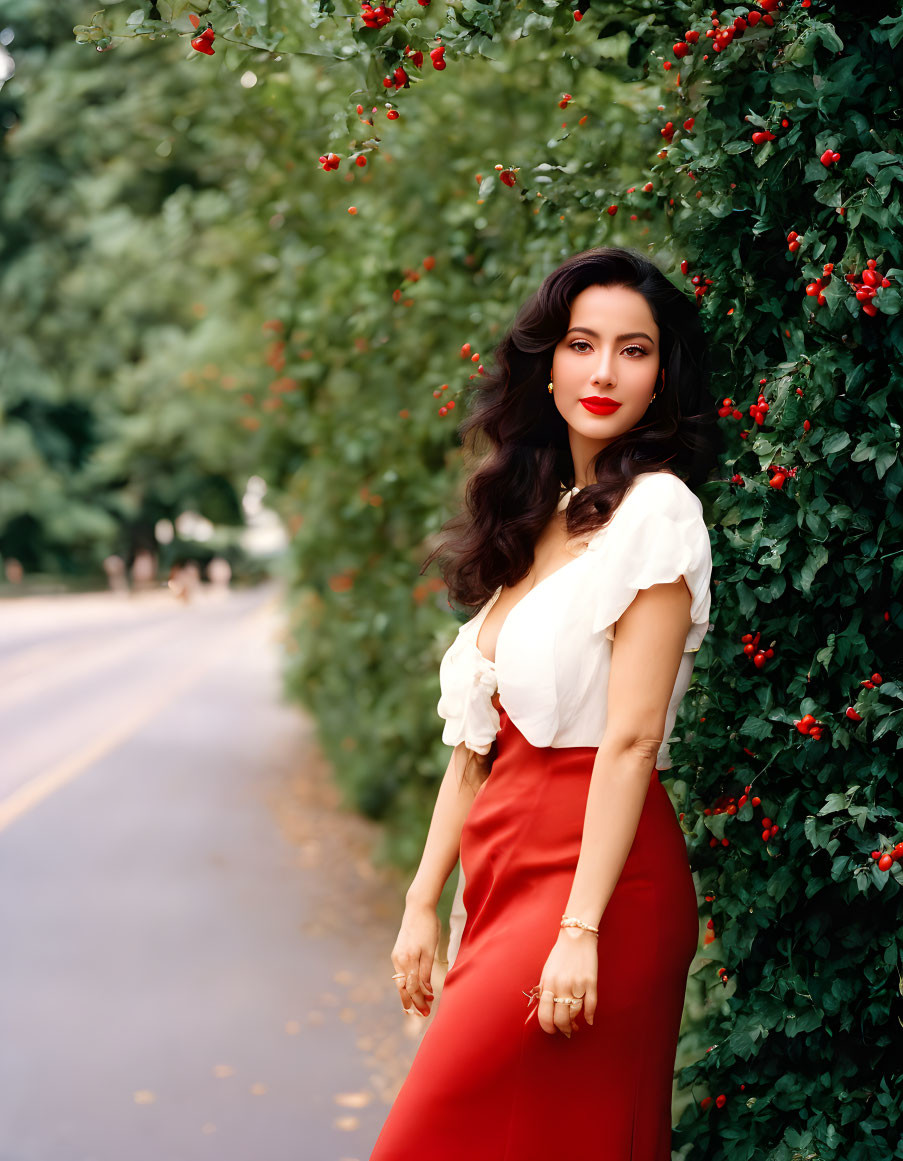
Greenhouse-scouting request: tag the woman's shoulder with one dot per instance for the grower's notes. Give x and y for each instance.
(660, 495)
(664, 489)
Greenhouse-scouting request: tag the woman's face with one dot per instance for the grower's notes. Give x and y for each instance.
(611, 352)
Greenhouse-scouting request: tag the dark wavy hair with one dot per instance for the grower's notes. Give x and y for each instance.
(514, 491)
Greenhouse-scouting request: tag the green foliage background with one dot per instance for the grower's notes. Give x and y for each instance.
(169, 178)
(122, 264)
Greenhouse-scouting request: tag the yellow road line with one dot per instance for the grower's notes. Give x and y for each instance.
(43, 785)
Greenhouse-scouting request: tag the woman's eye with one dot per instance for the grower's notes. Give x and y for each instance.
(584, 343)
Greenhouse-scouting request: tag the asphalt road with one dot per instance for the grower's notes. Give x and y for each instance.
(194, 936)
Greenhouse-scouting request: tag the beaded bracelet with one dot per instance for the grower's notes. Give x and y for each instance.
(569, 921)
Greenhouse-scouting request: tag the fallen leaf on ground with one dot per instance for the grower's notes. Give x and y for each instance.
(353, 1100)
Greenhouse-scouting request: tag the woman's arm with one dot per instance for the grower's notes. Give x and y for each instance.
(415, 948)
(443, 841)
(646, 655)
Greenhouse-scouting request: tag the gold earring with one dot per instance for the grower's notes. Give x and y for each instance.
(550, 387)
(654, 393)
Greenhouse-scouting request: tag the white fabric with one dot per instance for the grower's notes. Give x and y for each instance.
(553, 652)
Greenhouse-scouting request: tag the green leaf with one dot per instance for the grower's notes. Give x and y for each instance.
(836, 442)
(780, 883)
(835, 802)
(753, 727)
(816, 559)
(895, 29)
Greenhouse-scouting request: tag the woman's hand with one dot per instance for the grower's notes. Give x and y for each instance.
(572, 969)
(413, 954)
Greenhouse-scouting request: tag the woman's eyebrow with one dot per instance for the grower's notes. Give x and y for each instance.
(618, 338)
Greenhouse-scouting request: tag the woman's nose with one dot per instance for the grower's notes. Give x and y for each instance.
(604, 372)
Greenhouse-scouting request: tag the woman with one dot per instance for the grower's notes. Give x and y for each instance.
(559, 696)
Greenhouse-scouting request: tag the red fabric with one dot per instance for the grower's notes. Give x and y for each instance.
(486, 1087)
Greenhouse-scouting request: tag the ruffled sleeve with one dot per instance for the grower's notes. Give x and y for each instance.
(468, 680)
(656, 535)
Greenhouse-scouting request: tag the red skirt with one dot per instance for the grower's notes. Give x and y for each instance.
(486, 1086)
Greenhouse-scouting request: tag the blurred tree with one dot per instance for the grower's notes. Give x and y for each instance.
(120, 287)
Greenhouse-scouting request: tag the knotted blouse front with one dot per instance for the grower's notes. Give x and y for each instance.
(553, 652)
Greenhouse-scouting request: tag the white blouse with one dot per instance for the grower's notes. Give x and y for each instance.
(553, 651)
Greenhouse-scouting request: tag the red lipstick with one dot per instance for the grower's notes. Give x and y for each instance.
(600, 404)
